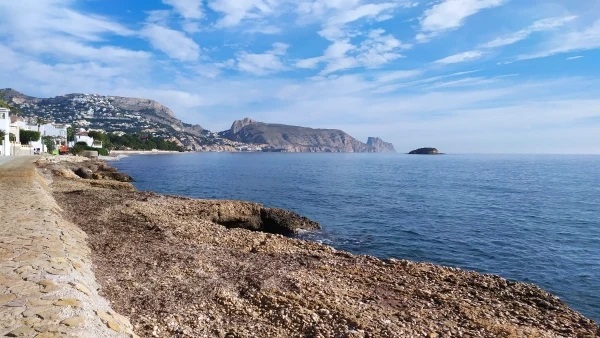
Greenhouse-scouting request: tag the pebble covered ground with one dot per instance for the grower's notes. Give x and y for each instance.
(176, 273)
(47, 287)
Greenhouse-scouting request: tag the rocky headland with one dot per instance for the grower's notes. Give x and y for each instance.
(281, 137)
(179, 267)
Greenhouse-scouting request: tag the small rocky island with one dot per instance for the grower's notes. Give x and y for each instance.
(425, 151)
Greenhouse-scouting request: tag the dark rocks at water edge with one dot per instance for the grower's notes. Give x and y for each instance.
(286, 138)
(425, 151)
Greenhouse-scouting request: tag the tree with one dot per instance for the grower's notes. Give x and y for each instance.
(50, 143)
(70, 134)
(100, 136)
(27, 136)
(40, 121)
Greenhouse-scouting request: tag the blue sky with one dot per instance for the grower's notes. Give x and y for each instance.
(466, 76)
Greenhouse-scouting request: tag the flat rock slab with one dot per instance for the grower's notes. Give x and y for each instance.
(47, 287)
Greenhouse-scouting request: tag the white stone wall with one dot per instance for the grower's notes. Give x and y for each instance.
(5, 125)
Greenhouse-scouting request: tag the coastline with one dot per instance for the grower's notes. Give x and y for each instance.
(250, 283)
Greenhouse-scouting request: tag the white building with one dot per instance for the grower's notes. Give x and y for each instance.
(54, 130)
(5, 126)
(83, 136)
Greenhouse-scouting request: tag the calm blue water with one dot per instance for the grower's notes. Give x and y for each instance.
(528, 218)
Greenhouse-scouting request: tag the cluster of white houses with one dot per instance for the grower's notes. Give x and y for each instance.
(13, 125)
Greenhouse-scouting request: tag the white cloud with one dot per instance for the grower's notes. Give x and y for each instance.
(565, 42)
(575, 57)
(52, 29)
(172, 42)
(190, 27)
(236, 11)
(29, 19)
(321, 8)
(451, 14)
(393, 76)
(189, 9)
(265, 63)
(376, 50)
(363, 11)
(309, 63)
(538, 26)
(75, 51)
(461, 57)
(379, 49)
(336, 20)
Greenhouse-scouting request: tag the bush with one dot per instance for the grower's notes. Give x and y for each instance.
(49, 143)
(27, 136)
(101, 151)
(81, 146)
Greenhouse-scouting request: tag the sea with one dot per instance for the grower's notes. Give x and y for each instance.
(528, 218)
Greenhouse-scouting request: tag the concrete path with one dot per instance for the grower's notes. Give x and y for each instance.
(5, 159)
(47, 287)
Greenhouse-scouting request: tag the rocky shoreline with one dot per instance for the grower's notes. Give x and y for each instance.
(179, 267)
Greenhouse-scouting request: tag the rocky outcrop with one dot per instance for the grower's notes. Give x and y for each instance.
(244, 215)
(90, 170)
(377, 145)
(231, 214)
(239, 124)
(425, 151)
(280, 137)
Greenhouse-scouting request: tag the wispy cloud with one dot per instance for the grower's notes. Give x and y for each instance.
(235, 12)
(377, 49)
(189, 9)
(574, 57)
(543, 25)
(461, 57)
(172, 42)
(570, 41)
(451, 14)
(264, 63)
(538, 26)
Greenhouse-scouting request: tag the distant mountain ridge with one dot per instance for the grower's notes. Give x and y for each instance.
(144, 116)
(281, 137)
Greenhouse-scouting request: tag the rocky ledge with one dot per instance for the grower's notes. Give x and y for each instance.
(175, 268)
(231, 214)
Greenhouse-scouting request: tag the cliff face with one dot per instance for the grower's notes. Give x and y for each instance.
(280, 137)
(377, 145)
